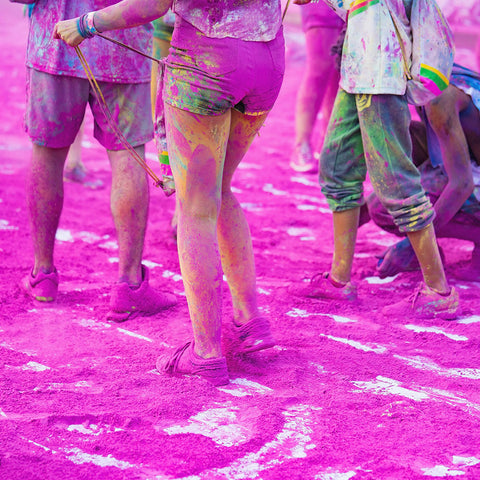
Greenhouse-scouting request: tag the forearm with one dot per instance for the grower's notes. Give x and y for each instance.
(449, 203)
(130, 13)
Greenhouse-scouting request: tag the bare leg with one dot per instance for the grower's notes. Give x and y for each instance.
(320, 72)
(233, 232)
(345, 226)
(74, 157)
(197, 147)
(426, 249)
(160, 50)
(129, 204)
(45, 202)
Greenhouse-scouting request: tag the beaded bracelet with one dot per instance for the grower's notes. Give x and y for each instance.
(86, 26)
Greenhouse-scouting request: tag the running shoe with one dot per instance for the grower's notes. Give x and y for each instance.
(127, 302)
(253, 336)
(79, 175)
(186, 362)
(426, 303)
(320, 286)
(302, 159)
(42, 287)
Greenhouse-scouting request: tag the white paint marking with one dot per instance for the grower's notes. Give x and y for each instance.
(174, 276)
(136, 335)
(268, 187)
(439, 331)
(113, 260)
(5, 225)
(63, 235)
(380, 281)
(387, 386)
(3, 414)
(428, 365)
(36, 367)
(468, 320)
(111, 245)
(78, 456)
(150, 264)
(465, 461)
(304, 181)
(222, 425)
(89, 237)
(375, 348)
(244, 388)
(441, 471)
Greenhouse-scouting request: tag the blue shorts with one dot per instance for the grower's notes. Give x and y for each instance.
(208, 76)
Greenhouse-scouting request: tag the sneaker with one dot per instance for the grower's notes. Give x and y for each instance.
(321, 286)
(127, 302)
(254, 335)
(302, 159)
(79, 175)
(43, 287)
(426, 303)
(186, 362)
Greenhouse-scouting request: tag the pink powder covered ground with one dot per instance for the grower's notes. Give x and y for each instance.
(347, 393)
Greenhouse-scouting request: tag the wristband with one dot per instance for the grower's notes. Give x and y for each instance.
(86, 26)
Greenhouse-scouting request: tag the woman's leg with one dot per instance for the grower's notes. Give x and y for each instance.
(197, 147)
(233, 232)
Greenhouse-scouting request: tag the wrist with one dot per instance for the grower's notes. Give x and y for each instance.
(86, 25)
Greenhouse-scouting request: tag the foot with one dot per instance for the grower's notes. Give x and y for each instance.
(80, 175)
(127, 302)
(186, 362)
(42, 287)
(426, 303)
(254, 335)
(321, 286)
(302, 159)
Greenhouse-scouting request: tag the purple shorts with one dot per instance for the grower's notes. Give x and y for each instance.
(208, 76)
(319, 15)
(56, 106)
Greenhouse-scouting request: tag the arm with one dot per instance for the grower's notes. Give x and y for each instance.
(443, 115)
(125, 14)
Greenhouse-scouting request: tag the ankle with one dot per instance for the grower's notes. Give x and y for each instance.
(336, 283)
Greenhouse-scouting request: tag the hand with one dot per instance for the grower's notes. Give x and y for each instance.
(397, 258)
(67, 31)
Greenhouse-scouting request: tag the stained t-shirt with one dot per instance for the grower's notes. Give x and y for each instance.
(250, 20)
(372, 61)
(109, 62)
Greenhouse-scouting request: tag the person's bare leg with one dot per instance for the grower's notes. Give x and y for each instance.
(424, 244)
(197, 146)
(345, 226)
(160, 49)
(233, 231)
(129, 201)
(74, 157)
(314, 84)
(45, 202)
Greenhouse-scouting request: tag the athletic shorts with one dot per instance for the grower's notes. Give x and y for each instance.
(56, 106)
(319, 15)
(208, 76)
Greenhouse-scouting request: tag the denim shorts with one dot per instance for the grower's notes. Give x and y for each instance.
(208, 76)
(56, 106)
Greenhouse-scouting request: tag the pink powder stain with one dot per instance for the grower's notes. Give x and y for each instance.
(375, 398)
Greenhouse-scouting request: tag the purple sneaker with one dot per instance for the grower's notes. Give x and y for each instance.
(186, 362)
(254, 335)
(320, 286)
(43, 287)
(126, 302)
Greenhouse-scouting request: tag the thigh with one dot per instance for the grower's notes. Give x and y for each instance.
(55, 108)
(196, 146)
(130, 108)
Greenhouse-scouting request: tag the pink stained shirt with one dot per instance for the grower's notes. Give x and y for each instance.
(109, 62)
(249, 20)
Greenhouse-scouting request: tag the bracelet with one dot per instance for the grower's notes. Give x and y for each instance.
(86, 26)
